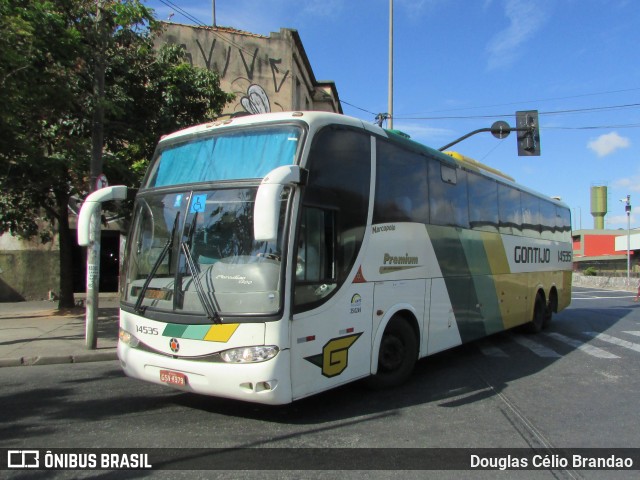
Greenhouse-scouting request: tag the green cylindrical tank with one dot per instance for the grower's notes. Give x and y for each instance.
(598, 205)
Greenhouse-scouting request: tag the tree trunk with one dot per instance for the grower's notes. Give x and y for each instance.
(65, 240)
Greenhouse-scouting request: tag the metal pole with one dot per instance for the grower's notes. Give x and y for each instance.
(93, 281)
(213, 11)
(96, 164)
(390, 64)
(89, 236)
(628, 210)
(580, 217)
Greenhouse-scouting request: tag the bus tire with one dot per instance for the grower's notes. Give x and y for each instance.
(552, 306)
(539, 312)
(397, 356)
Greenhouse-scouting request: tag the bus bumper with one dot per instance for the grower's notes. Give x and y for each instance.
(265, 382)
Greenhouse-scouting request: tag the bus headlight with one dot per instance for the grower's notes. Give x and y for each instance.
(249, 354)
(127, 338)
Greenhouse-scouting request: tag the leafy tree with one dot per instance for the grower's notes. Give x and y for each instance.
(55, 107)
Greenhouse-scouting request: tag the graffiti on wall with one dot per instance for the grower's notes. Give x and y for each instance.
(256, 100)
(252, 76)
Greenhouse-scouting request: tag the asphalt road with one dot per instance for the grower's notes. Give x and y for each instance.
(575, 385)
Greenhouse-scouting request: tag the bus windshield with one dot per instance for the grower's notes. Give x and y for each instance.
(194, 252)
(231, 155)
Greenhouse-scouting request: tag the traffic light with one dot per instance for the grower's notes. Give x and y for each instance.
(528, 133)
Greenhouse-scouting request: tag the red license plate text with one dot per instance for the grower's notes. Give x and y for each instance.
(173, 378)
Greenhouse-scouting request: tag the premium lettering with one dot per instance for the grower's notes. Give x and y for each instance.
(401, 260)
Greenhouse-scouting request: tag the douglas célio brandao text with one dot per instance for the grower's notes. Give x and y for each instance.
(577, 461)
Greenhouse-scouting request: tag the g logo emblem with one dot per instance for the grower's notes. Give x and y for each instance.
(334, 358)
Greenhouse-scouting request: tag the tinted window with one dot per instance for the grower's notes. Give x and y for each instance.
(548, 220)
(509, 209)
(530, 215)
(401, 186)
(563, 224)
(483, 203)
(334, 213)
(448, 195)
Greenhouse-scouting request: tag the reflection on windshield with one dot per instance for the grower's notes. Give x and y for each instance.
(231, 272)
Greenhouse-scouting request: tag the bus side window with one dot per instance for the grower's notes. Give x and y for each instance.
(448, 200)
(509, 210)
(316, 240)
(401, 186)
(483, 203)
(334, 213)
(530, 215)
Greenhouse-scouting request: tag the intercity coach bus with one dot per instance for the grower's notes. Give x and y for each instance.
(272, 257)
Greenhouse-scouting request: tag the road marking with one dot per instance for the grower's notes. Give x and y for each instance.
(603, 298)
(588, 349)
(614, 340)
(636, 333)
(536, 348)
(490, 350)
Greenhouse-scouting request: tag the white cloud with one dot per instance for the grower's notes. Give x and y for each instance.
(322, 8)
(424, 133)
(620, 221)
(525, 19)
(629, 184)
(608, 143)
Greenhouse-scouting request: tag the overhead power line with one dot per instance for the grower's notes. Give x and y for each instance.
(356, 107)
(595, 127)
(191, 18)
(181, 11)
(553, 112)
(522, 102)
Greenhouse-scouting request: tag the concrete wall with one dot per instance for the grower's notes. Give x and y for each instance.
(28, 269)
(616, 283)
(266, 74)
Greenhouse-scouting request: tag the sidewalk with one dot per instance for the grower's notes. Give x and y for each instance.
(36, 333)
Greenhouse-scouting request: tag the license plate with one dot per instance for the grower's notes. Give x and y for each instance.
(173, 378)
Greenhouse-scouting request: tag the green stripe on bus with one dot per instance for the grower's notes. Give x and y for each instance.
(196, 332)
(174, 330)
(456, 271)
(487, 305)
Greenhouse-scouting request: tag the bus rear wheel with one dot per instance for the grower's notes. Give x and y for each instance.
(397, 356)
(539, 312)
(552, 306)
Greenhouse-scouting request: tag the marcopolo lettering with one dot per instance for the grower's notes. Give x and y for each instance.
(531, 255)
(383, 228)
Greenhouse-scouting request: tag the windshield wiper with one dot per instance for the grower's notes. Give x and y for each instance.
(138, 308)
(207, 304)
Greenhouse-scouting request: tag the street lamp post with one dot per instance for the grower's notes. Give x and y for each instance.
(390, 99)
(627, 209)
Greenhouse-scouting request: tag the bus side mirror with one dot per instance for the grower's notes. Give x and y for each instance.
(91, 204)
(266, 214)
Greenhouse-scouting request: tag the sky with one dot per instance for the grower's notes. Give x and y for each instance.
(460, 65)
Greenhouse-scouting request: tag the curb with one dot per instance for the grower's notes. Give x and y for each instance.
(103, 356)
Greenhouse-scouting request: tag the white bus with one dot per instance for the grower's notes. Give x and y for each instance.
(272, 257)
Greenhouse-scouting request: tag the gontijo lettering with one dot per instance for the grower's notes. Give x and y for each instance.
(531, 255)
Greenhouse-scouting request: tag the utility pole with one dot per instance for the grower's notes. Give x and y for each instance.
(390, 109)
(97, 142)
(627, 209)
(213, 12)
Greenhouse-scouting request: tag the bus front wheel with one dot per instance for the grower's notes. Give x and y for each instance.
(397, 356)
